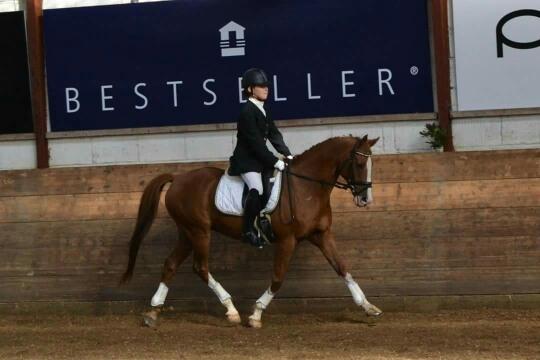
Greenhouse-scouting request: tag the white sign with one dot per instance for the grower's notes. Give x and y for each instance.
(497, 46)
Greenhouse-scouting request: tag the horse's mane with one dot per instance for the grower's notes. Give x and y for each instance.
(323, 143)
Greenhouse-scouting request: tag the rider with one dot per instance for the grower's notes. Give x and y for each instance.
(251, 156)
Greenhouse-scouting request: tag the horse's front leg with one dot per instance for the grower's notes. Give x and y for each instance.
(282, 257)
(326, 243)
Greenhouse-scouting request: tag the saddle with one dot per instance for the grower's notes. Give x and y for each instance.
(231, 195)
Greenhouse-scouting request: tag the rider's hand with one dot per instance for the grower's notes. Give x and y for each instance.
(280, 165)
(290, 157)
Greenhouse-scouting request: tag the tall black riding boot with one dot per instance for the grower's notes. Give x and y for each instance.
(251, 210)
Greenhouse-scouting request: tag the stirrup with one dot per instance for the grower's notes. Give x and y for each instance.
(253, 238)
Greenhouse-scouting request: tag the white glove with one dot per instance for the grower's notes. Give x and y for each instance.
(290, 157)
(280, 165)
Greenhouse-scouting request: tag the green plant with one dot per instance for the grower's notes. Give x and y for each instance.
(435, 135)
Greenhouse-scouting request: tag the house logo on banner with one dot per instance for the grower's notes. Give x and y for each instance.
(503, 40)
(238, 31)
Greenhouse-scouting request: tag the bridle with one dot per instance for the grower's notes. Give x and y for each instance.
(356, 187)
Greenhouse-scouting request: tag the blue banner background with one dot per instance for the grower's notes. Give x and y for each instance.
(154, 43)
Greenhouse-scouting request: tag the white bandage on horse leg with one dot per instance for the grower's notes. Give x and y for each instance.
(159, 297)
(223, 296)
(265, 299)
(218, 289)
(261, 304)
(357, 293)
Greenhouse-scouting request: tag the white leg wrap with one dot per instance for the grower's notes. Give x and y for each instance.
(261, 304)
(218, 290)
(357, 293)
(159, 297)
(265, 299)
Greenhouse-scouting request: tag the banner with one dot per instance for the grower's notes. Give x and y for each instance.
(497, 46)
(15, 101)
(179, 63)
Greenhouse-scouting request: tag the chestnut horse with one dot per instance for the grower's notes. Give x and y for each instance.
(305, 199)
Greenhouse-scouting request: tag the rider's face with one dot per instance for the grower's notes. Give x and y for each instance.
(260, 92)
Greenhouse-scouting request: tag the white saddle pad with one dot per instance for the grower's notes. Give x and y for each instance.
(229, 194)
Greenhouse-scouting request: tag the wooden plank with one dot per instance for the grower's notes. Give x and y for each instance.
(361, 226)
(251, 285)
(376, 257)
(445, 195)
(436, 223)
(474, 165)
(507, 164)
(388, 197)
(100, 247)
(83, 180)
(441, 55)
(36, 61)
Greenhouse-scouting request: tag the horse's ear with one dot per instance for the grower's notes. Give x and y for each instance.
(364, 139)
(372, 142)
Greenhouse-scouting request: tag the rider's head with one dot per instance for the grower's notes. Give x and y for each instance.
(255, 84)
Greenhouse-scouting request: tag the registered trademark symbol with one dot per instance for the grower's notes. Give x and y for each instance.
(414, 70)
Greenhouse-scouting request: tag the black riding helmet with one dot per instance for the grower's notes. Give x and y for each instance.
(254, 77)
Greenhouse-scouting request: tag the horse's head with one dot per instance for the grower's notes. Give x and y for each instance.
(356, 170)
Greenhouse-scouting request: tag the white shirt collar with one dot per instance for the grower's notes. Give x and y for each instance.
(259, 104)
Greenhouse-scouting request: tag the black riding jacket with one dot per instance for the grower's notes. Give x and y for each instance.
(251, 153)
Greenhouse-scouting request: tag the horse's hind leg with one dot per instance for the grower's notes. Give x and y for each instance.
(175, 259)
(326, 243)
(201, 250)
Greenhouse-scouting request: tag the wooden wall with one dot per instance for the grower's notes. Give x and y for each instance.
(441, 224)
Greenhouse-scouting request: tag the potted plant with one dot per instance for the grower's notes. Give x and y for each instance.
(435, 135)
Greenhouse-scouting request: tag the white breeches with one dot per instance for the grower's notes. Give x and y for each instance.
(253, 181)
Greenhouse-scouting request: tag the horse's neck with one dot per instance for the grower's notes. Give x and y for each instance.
(322, 161)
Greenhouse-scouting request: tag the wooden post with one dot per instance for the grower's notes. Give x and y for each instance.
(439, 15)
(34, 30)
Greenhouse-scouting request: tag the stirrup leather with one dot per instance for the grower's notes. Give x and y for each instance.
(263, 224)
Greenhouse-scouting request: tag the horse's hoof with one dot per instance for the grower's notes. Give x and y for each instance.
(372, 310)
(150, 319)
(254, 323)
(234, 318)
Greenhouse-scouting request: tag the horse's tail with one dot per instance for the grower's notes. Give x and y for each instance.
(147, 213)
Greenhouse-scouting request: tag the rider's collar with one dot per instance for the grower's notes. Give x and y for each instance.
(258, 103)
